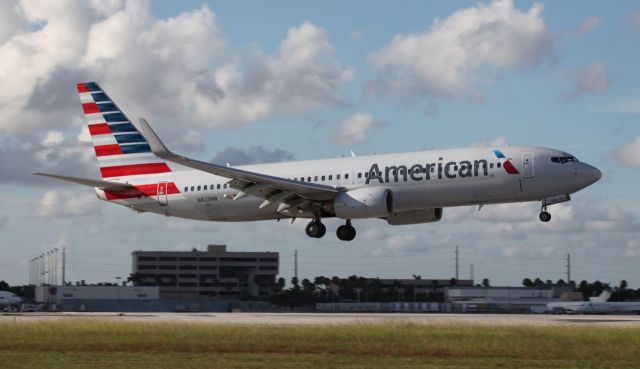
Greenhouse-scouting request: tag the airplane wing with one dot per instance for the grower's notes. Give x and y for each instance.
(114, 187)
(275, 190)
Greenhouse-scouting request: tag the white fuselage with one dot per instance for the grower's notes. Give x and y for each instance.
(8, 299)
(595, 307)
(418, 180)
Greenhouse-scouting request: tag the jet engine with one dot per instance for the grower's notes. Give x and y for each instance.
(415, 216)
(364, 203)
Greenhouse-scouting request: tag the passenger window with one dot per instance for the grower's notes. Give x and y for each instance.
(198, 188)
(323, 178)
(433, 169)
(346, 176)
(302, 179)
(359, 175)
(499, 165)
(315, 178)
(205, 187)
(330, 177)
(338, 176)
(218, 186)
(308, 179)
(490, 165)
(366, 174)
(186, 189)
(192, 188)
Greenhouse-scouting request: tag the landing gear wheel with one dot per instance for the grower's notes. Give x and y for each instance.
(545, 216)
(315, 229)
(346, 232)
(321, 231)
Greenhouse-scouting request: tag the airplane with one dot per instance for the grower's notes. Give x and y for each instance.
(595, 305)
(9, 299)
(140, 172)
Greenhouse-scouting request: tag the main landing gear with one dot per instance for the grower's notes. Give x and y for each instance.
(315, 229)
(346, 232)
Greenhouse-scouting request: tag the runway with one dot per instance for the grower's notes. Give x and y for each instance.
(338, 319)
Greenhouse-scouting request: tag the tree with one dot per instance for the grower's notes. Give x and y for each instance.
(135, 278)
(527, 282)
(485, 282)
(623, 285)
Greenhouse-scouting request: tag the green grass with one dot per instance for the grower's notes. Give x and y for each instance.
(140, 345)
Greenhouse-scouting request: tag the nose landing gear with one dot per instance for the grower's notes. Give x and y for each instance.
(545, 216)
(346, 232)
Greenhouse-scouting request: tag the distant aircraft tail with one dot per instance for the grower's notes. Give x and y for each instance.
(603, 297)
(121, 150)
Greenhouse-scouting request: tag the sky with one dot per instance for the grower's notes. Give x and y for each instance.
(249, 82)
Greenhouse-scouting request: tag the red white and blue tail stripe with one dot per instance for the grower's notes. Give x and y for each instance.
(120, 148)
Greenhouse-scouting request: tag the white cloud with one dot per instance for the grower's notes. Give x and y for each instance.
(589, 23)
(53, 138)
(453, 55)
(589, 79)
(629, 153)
(633, 248)
(12, 22)
(176, 69)
(353, 130)
(58, 204)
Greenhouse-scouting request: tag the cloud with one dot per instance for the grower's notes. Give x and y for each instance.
(23, 154)
(634, 20)
(589, 79)
(629, 153)
(401, 244)
(125, 48)
(353, 130)
(633, 248)
(589, 23)
(252, 155)
(452, 56)
(66, 204)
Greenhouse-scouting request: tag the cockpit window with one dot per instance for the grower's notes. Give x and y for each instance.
(563, 159)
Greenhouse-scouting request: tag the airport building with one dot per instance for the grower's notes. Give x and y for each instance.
(215, 272)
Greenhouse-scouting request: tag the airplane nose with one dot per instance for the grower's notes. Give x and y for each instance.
(588, 174)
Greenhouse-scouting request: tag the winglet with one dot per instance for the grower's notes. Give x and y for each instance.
(156, 145)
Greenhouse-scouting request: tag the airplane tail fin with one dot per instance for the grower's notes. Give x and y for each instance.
(121, 150)
(603, 297)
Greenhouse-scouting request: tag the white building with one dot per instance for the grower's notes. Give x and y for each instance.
(58, 294)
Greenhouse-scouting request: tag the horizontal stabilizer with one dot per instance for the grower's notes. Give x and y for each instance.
(103, 185)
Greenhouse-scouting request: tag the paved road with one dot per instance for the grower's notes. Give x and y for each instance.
(347, 318)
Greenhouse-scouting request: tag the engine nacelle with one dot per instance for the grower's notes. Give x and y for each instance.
(415, 216)
(364, 203)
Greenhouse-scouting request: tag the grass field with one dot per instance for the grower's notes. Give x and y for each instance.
(140, 345)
